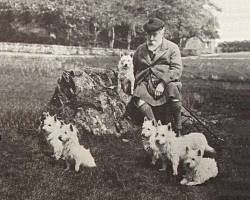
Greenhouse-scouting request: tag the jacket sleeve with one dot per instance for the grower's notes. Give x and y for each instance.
(175, 64)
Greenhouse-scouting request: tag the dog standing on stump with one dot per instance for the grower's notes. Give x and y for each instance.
(157, 70)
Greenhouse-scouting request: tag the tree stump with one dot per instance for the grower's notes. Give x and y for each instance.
(89, 99)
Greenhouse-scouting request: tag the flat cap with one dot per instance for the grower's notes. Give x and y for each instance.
(153, 24)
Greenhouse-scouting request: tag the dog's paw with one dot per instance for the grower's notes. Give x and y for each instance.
(153, 162)
(77, 167)
(192, 183)
(66, 169)
(184, 181)
(175, 173)
(162, 169)
(57, 157)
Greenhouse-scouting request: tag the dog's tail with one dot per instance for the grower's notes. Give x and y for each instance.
(209, 149)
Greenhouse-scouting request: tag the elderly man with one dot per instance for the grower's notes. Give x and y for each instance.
(157, 70)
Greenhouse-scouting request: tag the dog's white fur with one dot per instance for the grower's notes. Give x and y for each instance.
(126, 70)
(72, 150)
(198, 169)
(149, 129)
(53, 128)
(49, 123)
(174, 148)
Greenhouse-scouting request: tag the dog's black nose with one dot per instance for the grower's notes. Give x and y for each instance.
(41, 125)
(60, 138)
(157, 141)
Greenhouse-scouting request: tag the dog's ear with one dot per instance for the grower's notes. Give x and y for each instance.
(71, 73)
(169, 127)
(55, 118)
(159, 123)
(62, 123)
(154, 123)
(71, 128)
(121, 54)
(199, 152)
(43, 116)
(131, 54)
(187, 149)
(145, 119)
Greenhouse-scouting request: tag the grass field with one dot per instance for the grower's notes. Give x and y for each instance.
(123, 170)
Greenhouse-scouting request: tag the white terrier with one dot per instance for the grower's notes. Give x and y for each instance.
(72, 150)
(126, 72)
(148, 139)
(198, 169)
(53, 128)
(68, 129)
(49, 123)
(148, 129)
(174, 148)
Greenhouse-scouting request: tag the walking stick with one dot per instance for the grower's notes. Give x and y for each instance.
(199, 121)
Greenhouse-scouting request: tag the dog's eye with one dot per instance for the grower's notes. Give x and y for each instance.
(193, 159)
(49, 125)
(162, 135)
(148, 129)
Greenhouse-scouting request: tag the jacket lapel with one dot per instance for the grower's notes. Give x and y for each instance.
(163, 49)
(145, 55)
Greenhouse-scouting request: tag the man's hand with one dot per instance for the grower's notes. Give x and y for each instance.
(159, 89)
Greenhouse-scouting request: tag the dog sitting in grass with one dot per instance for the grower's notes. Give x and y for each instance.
(148, 139)
(197, 169)
(126, 77)
(73, 151)
(52, 129)
(174, 148)
(148, 129)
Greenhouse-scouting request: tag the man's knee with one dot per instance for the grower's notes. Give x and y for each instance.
(144, 108)
(173, 90)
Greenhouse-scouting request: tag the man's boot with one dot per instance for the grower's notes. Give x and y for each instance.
(167, 115)
(175, 106)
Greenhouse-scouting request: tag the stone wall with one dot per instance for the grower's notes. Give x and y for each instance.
(55, 49)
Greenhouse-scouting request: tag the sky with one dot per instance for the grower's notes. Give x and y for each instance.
(234, 20)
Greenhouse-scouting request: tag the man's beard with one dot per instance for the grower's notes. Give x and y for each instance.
(154, 46)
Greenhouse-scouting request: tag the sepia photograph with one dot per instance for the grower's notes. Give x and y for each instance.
(125, 100)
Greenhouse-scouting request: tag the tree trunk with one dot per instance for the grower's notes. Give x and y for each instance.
(96, 34)
(183, 42)
(112, 37)
(131, 33)
(129, 38)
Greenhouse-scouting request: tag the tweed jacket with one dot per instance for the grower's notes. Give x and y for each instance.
(166, 66)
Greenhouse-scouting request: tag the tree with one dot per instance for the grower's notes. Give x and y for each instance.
(185, 19)
(81, 22)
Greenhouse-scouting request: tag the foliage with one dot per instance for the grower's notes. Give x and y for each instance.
(235, 46)
(186, 19)
(103, 22)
